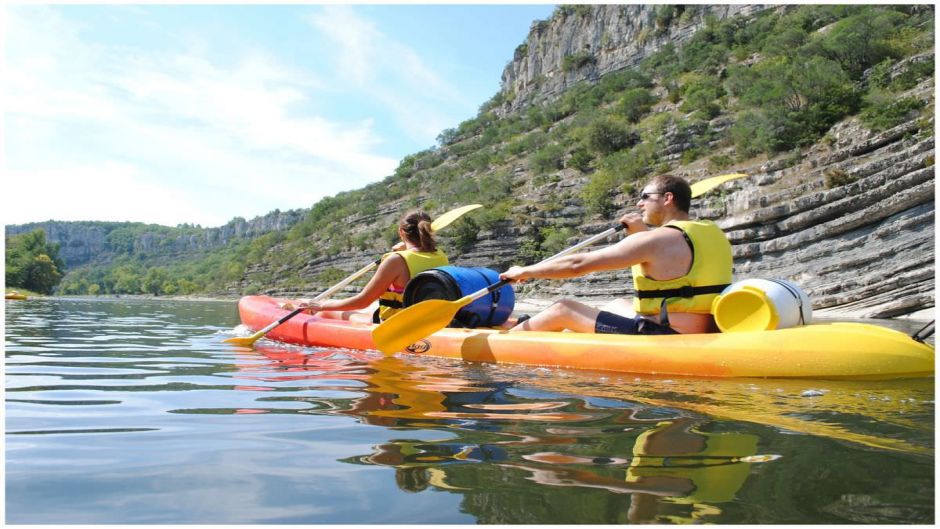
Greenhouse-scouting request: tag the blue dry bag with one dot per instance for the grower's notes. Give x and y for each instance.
(454, 282)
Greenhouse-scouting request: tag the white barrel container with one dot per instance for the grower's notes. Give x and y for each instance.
(761, 305)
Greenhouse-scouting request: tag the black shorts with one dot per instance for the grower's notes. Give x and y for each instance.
(610, 323)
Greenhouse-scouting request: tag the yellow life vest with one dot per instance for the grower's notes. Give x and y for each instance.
(709, 274)
(390, 301)
(714, 472)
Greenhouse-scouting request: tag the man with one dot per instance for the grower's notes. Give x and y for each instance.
(678, 269)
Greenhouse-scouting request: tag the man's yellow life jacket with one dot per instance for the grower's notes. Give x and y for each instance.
(709, 274)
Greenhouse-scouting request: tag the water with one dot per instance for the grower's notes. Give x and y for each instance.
(135, 412)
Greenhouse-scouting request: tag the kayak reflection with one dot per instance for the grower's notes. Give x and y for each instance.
(674, 462)
(476, 437)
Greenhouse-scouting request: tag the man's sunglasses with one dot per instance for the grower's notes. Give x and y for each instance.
(646, 196)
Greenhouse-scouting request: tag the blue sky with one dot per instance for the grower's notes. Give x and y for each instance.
(201, 113)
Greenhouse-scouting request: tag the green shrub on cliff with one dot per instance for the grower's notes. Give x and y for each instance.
(635, 103)
(884, 111)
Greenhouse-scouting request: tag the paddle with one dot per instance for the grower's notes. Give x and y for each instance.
(441, 222)
(704, 186)
(426, 318)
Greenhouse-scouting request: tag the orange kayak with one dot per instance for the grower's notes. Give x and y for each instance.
(821, 350)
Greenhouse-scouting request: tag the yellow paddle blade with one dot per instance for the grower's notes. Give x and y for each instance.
(246, 341)
(452, 215)
(704, 186)
(415, 322)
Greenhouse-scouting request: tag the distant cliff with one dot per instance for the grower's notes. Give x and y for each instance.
(84, 242)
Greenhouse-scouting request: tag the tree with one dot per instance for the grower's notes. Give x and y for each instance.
(636, 102)
(32, 262)
(154, 281)
(608, 135)
(42, 275)
(788, 102)
(860, 42)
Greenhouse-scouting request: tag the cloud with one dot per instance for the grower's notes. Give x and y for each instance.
(82, 192)
(167, 135)
(389, 71)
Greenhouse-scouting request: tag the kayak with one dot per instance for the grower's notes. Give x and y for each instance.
(819, 350)
(15, 295)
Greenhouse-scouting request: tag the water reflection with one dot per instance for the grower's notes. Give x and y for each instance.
(134, 411)
(666, 464)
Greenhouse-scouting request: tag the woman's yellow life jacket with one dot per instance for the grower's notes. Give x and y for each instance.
(709, 274)
(390, 301)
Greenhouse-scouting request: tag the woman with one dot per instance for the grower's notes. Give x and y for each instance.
(420, 253)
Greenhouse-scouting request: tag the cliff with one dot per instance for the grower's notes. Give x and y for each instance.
(83, 242)
(598, 40)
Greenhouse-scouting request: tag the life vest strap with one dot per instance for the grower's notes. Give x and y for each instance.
(687, 291)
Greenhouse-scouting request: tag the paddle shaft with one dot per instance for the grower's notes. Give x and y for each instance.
(325, 294)
(587, 242)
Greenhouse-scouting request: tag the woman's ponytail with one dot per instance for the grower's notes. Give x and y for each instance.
(417, 227)
(426, 236)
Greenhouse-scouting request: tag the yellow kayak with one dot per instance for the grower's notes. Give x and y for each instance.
(15, 295)
(825, 350)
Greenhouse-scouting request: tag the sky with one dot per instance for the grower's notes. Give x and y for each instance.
(198, 114)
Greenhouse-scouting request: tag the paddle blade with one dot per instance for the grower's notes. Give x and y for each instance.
(245, 341)
(415, 322)
(704, 186)
(452, 215)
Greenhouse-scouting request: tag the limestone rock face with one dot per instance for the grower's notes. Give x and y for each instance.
(78, 242)
(83, 242)
(601, 40)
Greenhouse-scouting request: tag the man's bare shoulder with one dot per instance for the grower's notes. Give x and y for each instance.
(658, 235)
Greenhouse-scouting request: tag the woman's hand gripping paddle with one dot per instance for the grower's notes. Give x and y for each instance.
(426, 318)
(441, 222)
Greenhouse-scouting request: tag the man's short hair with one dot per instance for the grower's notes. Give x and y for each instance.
(681, 192)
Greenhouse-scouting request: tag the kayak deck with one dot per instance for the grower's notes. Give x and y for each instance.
(831, 350)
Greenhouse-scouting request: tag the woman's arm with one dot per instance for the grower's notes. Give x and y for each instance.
(391, 269)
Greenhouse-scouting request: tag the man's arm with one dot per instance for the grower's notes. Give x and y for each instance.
(635, 249)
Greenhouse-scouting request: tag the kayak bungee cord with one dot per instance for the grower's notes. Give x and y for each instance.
(920, 338)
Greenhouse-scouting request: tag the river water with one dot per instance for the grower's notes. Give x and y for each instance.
(135, 412)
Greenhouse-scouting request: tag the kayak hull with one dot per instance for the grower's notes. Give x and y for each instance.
(830, 350)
